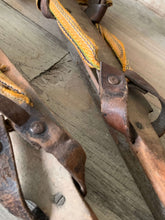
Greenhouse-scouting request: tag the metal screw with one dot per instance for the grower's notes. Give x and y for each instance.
(139, 125)
(37, 127)
(31, 205)
(59, 199)
(113, 80)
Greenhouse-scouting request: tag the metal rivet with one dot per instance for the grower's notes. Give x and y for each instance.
(59, 199)
(37, 127)
(139, 125)
(113, 80)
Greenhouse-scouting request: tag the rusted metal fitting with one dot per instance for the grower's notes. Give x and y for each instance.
(113, 95)
(49, 135)
(96, 11)
(43, 5)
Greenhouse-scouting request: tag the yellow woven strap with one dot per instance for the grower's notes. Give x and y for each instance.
(116, 45)
(86, 46)
(11, 90)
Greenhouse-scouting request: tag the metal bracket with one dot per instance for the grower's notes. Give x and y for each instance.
(113, 96)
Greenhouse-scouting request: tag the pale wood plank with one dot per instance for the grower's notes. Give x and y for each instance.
(28, 48)
(29, 9)
(157, 6)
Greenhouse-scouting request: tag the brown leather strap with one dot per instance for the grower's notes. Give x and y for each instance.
(13, 111)
(11, 196)
(159, 123)
(43, 5)
(41, 129)
(96, 10)
(126, 111)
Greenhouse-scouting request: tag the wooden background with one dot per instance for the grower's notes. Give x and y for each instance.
(156, 6)
(33, 44)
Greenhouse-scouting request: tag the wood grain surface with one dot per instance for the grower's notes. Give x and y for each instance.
(31, 42)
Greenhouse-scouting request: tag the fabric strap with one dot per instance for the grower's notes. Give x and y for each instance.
(10, 90)
(86, 46)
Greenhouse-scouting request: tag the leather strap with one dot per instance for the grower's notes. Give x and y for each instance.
(96, 10)
(13, 111)
(38, 127)
(43, 5)
(11, 196)
(126, 110)
(159, 123)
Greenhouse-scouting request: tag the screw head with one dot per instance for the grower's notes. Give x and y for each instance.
(37, 127)
(113, 80)
(59, 199)
(139, 125)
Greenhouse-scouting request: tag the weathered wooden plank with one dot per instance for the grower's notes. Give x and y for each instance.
(28, 42)
(29, 9)
(157, 6)
(114, 196)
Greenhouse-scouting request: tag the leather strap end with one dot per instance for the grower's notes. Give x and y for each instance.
(96, 11)
(43, 5)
